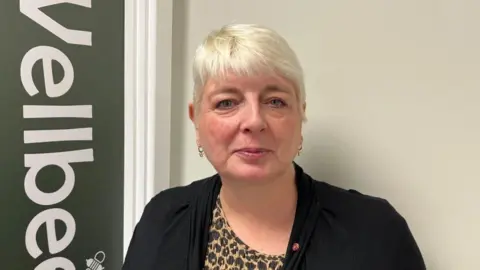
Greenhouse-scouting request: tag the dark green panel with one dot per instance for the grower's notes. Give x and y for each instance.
(93, 193)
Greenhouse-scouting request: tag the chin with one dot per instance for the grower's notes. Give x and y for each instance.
(254, 171)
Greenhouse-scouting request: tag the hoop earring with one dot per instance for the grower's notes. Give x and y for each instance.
(200, 151)
(299, 150)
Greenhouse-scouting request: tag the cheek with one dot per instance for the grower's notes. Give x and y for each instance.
(288, 127)
(217, 132)
(289, 133)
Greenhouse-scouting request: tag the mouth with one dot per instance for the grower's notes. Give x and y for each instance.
(252, 152)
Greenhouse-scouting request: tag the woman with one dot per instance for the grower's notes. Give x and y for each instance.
(261, 210)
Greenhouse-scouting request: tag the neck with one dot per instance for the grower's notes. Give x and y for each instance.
(271, 203)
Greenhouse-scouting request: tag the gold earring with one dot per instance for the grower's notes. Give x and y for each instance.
(200, 151)
(300, 150)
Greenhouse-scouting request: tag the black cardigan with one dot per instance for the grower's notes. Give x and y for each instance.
(336, 229)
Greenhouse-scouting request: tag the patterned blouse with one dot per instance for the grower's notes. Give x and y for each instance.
(227, 251)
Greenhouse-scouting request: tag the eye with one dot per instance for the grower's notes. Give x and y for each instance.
(225, 104)
(277, 103)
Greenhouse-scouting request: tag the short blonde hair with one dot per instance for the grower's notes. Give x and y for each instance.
(246, 49)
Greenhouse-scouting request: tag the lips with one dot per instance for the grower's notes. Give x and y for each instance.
(252, 154)
(251, 150)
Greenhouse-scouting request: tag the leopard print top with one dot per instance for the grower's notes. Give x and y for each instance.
(227, 251)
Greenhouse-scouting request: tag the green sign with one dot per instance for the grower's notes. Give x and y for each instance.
(61, 135)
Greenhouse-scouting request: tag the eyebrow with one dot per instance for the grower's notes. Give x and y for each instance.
(225, 90)
(275, 88)
(270, 88)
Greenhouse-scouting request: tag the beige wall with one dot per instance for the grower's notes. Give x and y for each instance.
(393, 92)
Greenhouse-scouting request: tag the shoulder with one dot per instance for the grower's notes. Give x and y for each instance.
(373, 224)
(350, 203)
(168, 209)
(175, 199)
(356, 211)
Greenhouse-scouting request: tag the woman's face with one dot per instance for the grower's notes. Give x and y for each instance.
(249, 127)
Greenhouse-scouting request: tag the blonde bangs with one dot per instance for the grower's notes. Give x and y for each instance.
(245, 50)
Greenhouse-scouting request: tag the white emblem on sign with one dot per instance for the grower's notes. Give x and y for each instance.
(96, 262)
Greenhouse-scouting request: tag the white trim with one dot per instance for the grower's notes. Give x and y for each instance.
(141, 109)
(151, 66)
(147, 160)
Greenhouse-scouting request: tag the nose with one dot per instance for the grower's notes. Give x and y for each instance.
(253, 119)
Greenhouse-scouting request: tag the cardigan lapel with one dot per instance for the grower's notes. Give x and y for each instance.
(200, 219)
(184, 244)
(308, 209)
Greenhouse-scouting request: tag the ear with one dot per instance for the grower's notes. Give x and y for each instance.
(304, 107)
(191, 115)
(191, 112)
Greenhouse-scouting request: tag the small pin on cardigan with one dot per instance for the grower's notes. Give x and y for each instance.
(295, 247)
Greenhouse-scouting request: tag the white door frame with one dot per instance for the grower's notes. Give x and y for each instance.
(148, 53)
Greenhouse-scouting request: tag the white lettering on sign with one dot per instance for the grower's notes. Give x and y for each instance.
(55, 263)
(36, 162)
(57, 111)
(48, 217)
(31, 9)
(47, 54)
